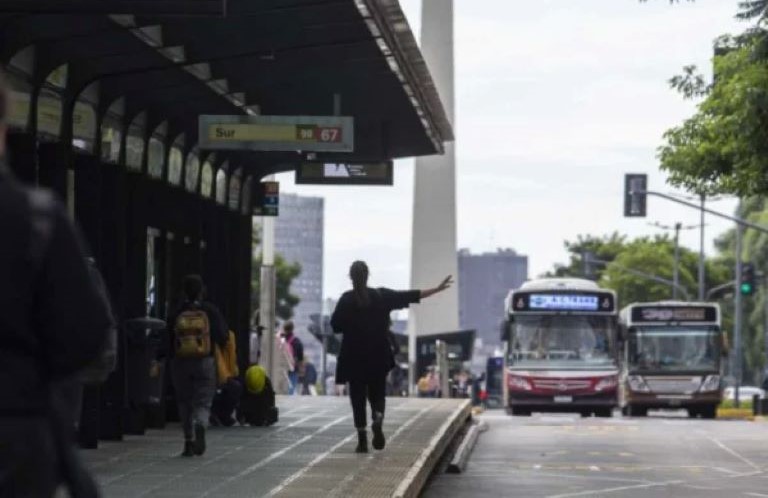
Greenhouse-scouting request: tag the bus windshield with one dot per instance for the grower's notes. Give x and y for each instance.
(674, 349)
(560, 341)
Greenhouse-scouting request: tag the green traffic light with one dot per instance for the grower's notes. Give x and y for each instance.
(746, 289)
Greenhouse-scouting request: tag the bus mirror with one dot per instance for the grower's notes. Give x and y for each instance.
(504, 330)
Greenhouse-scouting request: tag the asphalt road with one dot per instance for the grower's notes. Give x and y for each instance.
(564, 456)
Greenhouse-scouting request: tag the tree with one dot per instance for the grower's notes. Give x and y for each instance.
(722, 147)
(604, 248)
(650, 255)
(285, 274)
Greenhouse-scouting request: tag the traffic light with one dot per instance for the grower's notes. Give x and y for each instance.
(635, 196)
(747, 284)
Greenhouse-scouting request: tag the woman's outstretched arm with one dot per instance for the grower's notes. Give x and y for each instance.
(445, 284)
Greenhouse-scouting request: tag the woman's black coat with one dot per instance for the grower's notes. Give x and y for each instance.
(366, 353)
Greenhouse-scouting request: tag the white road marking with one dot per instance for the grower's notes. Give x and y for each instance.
(276, 455)
(593, 492)
(756, 494)
(280, 487)
(267, 435)
(725, 448)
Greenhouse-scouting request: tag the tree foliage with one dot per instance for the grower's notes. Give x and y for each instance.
(722, 148)
(286, 273)
(650, 255)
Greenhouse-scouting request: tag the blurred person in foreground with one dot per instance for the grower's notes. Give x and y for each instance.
(53, 324)
(362, 316)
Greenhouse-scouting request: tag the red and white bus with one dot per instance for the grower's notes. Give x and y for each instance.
(562, 349)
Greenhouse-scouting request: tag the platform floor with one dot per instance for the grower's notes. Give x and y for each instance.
(309, 453)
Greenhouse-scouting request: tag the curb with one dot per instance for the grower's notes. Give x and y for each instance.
(459, 461)
(416, 478)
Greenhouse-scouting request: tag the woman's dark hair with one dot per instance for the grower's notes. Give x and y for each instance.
(193, 287)
(358, 272)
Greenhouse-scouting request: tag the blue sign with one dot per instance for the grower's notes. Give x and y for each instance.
(558, 302)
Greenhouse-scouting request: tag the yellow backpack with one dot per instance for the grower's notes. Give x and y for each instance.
(193, 334)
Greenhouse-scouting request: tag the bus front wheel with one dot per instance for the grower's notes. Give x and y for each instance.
(604, 413)
(709, 412)
(637, 411)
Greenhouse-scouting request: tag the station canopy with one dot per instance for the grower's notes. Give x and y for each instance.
(178, 59)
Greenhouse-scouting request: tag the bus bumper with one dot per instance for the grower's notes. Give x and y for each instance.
(565, 403)
(660, 401)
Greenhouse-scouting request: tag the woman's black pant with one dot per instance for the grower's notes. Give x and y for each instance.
(371, 390)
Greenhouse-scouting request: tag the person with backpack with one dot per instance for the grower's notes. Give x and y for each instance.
(295, 349)
(194, 330)
(362, 316)
(53, 324)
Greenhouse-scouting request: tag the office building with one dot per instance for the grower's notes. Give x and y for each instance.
(484, 282)
(299, 239)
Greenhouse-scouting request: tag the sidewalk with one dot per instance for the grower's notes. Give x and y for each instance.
(310, 452)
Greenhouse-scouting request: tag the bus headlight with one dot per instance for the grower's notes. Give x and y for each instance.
(636, 383)
(711, 383)
(519, 383)
(607, 383)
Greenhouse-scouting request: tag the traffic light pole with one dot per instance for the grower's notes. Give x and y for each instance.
(739, 221)
(702, 267)
(737, 320)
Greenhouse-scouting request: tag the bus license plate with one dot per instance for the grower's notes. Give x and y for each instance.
(563, 399)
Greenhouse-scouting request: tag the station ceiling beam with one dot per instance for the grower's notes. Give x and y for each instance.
(182, 8)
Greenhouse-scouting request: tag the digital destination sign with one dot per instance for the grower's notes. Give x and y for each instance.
(664, 314)
(563, 302)
(597, 302)
(381, 173)
(277, 133)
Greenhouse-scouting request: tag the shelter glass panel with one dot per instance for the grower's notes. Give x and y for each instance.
(235, 184)
(84, 126)
(111, 140)
(49, 110)
(221, 186)
(206, 180)
(175, 162)
(134, 143)
(155, 157)
(192, 172)
(20, 95)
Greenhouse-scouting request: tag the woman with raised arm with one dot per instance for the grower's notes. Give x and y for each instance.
(362, 316)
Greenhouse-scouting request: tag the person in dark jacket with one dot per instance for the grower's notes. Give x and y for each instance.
(194, 374)
(362, 316)
(53, 323)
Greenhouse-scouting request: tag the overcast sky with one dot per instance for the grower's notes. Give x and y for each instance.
(556, 100)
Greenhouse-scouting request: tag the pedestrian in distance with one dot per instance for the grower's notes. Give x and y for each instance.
(294, 350)
(194, 329)
(362, 317)
(53, 324)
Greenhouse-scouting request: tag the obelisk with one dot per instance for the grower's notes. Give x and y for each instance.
(433, 250)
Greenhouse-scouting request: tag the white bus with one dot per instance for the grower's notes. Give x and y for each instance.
(562, 348)
(672, 357)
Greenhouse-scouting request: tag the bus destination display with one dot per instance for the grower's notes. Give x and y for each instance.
(596, 302)
(563, 302)
(663, 314)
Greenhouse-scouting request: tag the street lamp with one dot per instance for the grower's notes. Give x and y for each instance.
(676, 270)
